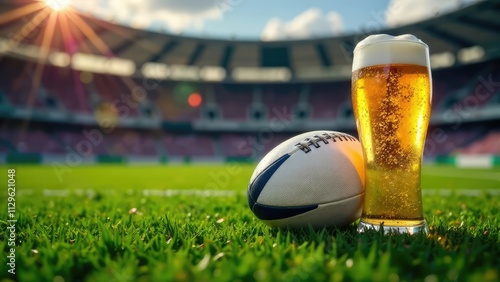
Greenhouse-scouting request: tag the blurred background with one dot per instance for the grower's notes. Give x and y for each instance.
(127, 81)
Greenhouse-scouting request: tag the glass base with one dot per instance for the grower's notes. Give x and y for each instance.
(417, 229)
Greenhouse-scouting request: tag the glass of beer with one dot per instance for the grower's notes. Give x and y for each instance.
(391, 96)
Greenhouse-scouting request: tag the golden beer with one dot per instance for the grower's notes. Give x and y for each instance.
(391, 96)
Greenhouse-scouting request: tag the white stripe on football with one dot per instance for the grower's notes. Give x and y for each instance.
(315, 178)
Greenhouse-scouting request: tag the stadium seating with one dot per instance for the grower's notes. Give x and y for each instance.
(454, 86)
(130, 143)
(489, 144)
(118, 91)
(450, 140)
(189, 145)
(237, 145)
(63, 89)
(172, 104)
(65, 86)
(72, 139)
(326, 98)
(18, 90)
(119, 142)
(280, 101)
(127, 142)
(234, 101)
(29, 141)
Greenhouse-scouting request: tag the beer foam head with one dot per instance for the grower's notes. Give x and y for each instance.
(381, 49)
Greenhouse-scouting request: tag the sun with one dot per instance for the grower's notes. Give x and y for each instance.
(58, 5)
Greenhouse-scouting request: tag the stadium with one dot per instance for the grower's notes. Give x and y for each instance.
(123, 141)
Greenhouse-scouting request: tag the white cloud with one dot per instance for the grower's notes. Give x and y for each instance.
(172, 15)
(310, 23)
(400, 12)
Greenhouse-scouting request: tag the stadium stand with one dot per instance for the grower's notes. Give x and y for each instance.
(489, 144)
(29, 141)
(172, 105)
(113, 89)
(288, 87)
(132, 143)
(450, 139)
(188, 145)
(238, 145)
(279, 99)
(453, 85)
(66, 90)
(233, 101)
(326, 99)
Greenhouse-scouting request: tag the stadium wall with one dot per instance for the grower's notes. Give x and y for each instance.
(471, 161)
(69, 160)
(74, 159)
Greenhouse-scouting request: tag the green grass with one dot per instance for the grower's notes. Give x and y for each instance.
(86, 232)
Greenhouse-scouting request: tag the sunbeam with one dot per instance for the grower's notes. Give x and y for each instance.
(45, 48)
(53, 25)
(29, 27)
(20, 12)
(74, 39)
(90, 34)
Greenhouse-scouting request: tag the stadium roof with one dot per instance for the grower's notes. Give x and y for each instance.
(464, 36)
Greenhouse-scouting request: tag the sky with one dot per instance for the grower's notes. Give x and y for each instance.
(266, 19)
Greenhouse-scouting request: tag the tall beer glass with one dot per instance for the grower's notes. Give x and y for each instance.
(391, 96)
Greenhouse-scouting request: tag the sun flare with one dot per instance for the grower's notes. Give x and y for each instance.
(58, 5)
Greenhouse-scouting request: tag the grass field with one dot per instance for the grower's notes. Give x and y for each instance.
(159, 223)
